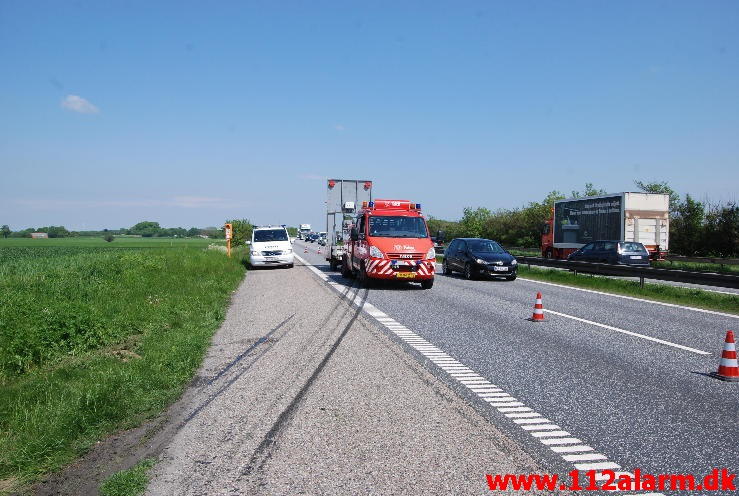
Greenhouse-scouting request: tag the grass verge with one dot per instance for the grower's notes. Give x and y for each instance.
(131, 482)
(95, 340)
(657, 292)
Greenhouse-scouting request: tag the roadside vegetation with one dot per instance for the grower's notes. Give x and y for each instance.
(696, 228)
(657, 292)
(98, 336)
(131, 482)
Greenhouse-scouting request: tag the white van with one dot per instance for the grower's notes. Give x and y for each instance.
(270, 245)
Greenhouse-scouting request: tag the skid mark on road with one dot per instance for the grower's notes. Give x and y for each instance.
(549, 434)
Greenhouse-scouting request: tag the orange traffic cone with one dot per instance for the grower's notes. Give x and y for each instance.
(538, 310)
(305, 250)
(728, 369)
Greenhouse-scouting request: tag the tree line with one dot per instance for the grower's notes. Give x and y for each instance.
(146, 229)
(696, 228)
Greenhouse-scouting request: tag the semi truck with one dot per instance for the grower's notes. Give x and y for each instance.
(640, 217)
(344, 196)
(389, 239)
(303, 230)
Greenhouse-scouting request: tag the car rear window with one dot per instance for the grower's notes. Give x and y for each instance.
(633, 247)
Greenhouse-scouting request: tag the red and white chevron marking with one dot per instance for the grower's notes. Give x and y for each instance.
(385, 268)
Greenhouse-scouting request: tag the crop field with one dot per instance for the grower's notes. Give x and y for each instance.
(97, 336)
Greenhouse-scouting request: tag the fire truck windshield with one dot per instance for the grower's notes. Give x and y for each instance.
(397, 227)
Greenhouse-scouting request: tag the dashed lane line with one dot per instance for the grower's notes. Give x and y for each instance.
(631, 333)
(548, 433)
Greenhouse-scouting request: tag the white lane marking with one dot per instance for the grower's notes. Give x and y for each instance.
(703, 310)
(571, 449)
(561, 440)
(631, 333)
(526, 418)
(597, 466)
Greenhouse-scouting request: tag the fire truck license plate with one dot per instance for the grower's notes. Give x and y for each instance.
(405, 275)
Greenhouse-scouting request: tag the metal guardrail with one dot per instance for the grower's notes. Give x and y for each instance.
(674, 275)
(707, 260)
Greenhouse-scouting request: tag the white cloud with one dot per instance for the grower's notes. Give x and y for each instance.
(78, 104)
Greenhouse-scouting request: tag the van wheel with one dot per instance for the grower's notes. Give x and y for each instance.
(427, 284)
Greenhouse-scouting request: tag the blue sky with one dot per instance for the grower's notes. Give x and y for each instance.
(188, 113)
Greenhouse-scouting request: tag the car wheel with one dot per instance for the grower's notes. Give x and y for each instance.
(290, 266)
(445, 268)
(427, 284)
(510, 278)
(468, 272)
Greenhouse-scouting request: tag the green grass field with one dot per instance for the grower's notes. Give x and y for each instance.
(97, 336)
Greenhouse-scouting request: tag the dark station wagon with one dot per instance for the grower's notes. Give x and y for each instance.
(612, 252)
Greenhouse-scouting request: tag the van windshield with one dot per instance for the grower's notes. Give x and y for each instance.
(397, 227)
(264, 235)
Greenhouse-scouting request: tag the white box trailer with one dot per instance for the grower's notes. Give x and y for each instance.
(641, 217)
(345, 196)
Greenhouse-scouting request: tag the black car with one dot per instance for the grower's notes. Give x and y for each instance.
(476, 257)
(612, 252)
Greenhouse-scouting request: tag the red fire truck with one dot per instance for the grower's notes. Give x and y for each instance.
(389, 239)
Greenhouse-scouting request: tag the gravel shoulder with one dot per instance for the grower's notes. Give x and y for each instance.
(300, 393)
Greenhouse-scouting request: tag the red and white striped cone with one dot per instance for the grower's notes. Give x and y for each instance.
(538, 310)
(305, 249)
(319, 250)
(728, 369)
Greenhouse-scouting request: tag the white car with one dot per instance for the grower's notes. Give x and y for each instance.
(270, 246)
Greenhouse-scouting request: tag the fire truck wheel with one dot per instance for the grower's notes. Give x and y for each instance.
(427, 284)
(445, 268)
(468, 272)
(548, 254)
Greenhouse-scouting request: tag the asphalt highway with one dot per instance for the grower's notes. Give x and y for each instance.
(627, 379)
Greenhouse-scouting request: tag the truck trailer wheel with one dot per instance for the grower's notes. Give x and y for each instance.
(427, 284)
(346, 272)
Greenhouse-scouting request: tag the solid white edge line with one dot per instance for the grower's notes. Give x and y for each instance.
(631, 333)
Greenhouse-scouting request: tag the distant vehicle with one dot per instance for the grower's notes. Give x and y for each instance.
(478, 257)
(270, 246)
(390, 240)
(312, 237)
(303, 231)
(612, 252)
(343, 198)
(638, 217)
